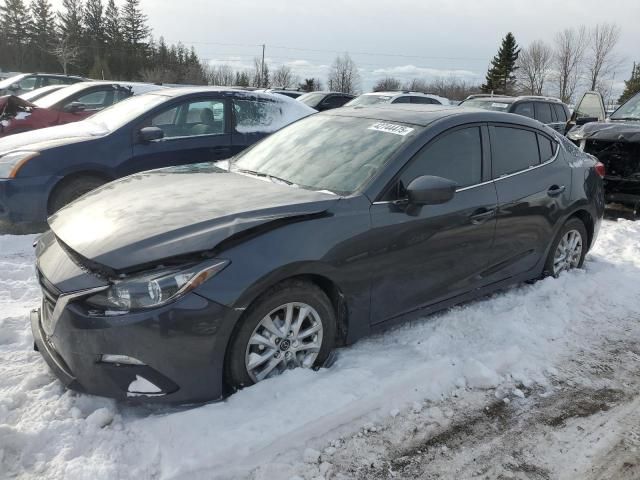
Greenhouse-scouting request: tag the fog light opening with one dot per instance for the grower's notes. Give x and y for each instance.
(141, 386)
(120, 359)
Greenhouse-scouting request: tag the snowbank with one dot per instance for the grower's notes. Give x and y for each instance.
(515, 337)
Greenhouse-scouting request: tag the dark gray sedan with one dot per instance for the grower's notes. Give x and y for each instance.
(184, 284)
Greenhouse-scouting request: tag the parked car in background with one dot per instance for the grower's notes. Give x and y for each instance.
(548, 110)
(70, 104)
(615, 141)
(34, 95)
(27, 82)
(377, 98)
(183, 284)
(322, 101)
(44, 170)
(282, 91)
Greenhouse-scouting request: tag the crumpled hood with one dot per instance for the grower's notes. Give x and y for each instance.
(44, 138)
(164, 213)
(610, 131)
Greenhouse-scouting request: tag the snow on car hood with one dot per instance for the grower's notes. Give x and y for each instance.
(51, 137)
(164, 213)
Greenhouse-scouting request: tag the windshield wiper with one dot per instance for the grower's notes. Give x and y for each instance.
(265, 175)
(626, 118)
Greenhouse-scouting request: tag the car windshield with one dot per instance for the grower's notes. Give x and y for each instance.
(628, 111)
(490, 104)
(127, 110)
(312, 99)
(325, 152)
(4, 84)
(369, 100)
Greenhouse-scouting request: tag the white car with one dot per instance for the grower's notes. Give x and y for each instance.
(377, 98)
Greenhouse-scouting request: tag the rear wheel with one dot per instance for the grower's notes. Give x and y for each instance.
(568, 249)
(291, 326)
(69, 190)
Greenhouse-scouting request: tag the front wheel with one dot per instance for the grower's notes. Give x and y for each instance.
(292, 325)
(568, 249)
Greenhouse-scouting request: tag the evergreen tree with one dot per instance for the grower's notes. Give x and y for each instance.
(42, 35)
(115, 56)
(70, 22)
(93, 22)
(501, 77)
(631, 86)
(134, 24)
(15, 22)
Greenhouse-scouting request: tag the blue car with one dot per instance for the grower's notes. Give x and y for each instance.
(44, 170)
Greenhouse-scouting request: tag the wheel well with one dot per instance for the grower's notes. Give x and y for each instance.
(73, 176)
(585, 218)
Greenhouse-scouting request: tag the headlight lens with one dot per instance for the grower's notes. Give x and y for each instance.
(576, 133)
(154, 288)
(11, 162)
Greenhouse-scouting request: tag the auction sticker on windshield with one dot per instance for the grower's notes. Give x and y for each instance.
(391, 128)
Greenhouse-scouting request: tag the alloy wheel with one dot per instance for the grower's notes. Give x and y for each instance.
(289, 336)
(568, 252)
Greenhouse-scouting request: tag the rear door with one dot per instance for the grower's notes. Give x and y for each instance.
(560, 117)
(533, 184)
(525, 109)
(195, 130)
(428, 254)
(544, 114)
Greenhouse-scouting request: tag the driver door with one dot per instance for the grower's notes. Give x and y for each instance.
(424, 255)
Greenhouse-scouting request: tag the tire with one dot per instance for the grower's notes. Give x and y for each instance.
(72, 189)
(574, 225)
(274, 302)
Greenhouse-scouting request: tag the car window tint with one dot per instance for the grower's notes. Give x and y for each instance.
(27, 83)
(333, 102)
(425, 100)
(192, 119)
(95, 100)
(56, 81)
(525, 109)
(561, 115)
(547, 148)
(257, 115)
(401, 100)
(543, 112)
(456, 156)
(512, 150)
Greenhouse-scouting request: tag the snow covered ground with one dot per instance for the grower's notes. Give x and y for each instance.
(540, 381)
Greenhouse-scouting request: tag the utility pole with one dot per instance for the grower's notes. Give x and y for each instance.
(262, 68)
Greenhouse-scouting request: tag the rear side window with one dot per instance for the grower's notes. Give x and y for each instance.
(525, 109)
(425, 100)
(547, 148)
(512, 150)
(401, 100)
(543, 112)
(561, 114)
(456, 156)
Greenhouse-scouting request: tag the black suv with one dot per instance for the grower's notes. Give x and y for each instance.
(28, 82)
(547, 110)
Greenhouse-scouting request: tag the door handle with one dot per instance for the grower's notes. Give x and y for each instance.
(482, 215)
(556, 190)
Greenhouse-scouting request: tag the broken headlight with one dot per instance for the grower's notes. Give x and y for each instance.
(153, 288)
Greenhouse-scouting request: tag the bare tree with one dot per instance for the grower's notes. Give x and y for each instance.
(601, 60)
(449, 87)
(534, 65)
(387, 84)
(344, 76)
(568, 60)
(283, 77)
(66, 53)
(220, 75)
(260, 77)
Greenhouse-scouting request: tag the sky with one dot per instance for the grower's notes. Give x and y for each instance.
(404, 39)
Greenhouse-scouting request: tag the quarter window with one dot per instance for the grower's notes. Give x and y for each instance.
(561, 114)
(425, 100)
(524, 109)
(456, 156)
(543, 112)
(547, 148)
(512, 150)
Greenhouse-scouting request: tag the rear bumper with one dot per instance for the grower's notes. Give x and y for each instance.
(181, 348)
(23, 203)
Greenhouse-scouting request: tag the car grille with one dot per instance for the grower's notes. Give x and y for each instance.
(50, 295)
(621, 159)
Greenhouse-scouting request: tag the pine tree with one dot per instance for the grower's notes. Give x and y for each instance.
(112, 30)
(16, 24)
(42, 35)
(134, 24)
(501, 77)
(631, 86)
(70, 22)
(93, 23)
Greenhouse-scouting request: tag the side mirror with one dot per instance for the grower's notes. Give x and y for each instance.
(75, 107)
(584, 120)
(429, 190)
(149, 134)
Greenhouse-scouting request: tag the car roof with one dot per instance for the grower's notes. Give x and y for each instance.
(424, 114)
(509, 99)
(180, 91)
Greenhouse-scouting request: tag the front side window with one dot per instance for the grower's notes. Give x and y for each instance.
(590, 106)
(543, 112)
(525, 109)
(27, 83)
(512, 150)
(455, 156)
(325, 152)
(189, 119)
